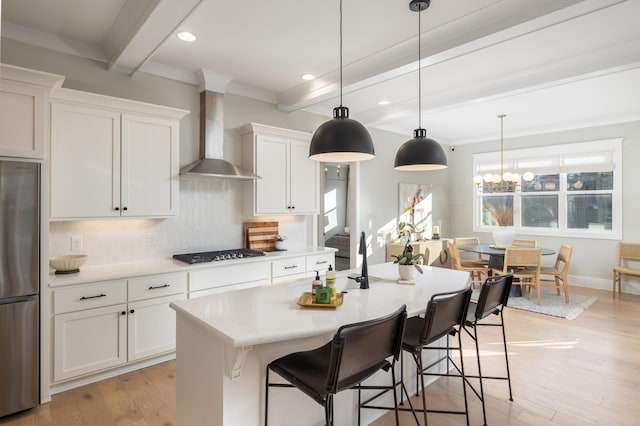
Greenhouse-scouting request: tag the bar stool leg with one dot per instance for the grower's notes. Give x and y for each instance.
(506, 356)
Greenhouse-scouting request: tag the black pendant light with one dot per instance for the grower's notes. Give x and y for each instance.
(420, 153)
(341, 139)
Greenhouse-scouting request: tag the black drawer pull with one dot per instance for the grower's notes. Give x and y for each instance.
(132, 311)
(123, 313)
(291, 267)
(321, 262)
(93, 297)
(159, 286)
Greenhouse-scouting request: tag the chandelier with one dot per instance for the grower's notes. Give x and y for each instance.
(505, 181)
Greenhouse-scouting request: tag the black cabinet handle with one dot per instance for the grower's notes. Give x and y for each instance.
(132, 311)
(293, 207)
(93, 297)
(117, 209)
(159, 286)
(125, 208)
(321, 262)
(123, 313)
(291, 267)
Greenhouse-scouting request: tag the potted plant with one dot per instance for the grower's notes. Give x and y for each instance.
(408, 262)
(504, 235)
(279, 241)
(404, 230)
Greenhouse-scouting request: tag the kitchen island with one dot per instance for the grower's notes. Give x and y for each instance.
(225, 341)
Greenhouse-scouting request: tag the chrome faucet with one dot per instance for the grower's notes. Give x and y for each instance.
(363, 279)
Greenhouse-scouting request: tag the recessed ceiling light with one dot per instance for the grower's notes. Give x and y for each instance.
(186, 36)
(383, 102)
(308, 77)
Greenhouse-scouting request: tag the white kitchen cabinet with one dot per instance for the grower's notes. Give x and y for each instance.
(290, 181)
(24, 95)
(111, 323)
(151, 322)
(112, 157)
(90, 340)
(320, 263)
(151, 327)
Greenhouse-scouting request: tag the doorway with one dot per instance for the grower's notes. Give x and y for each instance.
(335, 219)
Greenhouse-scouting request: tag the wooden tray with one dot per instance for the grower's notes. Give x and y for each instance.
(306, 300)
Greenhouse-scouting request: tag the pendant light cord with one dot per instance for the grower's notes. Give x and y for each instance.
(340, 52)
(501, 146)
(419, 74)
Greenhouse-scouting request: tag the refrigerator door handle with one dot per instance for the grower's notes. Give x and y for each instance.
(17, 299)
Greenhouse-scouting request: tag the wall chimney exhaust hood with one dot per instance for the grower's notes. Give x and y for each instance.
(211, 162)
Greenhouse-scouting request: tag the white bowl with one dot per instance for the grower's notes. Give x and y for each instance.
(68, 263)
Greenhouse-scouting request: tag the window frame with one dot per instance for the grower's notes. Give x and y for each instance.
(555, 155)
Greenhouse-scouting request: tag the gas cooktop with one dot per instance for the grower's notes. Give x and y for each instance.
(216, 256)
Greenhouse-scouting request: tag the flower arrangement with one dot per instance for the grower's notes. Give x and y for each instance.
(502, 216)
(405, 229)
(407, 257)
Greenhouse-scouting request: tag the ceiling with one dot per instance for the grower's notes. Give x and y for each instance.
(548, 64)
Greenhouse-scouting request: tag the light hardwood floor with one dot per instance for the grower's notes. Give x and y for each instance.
(580, 372)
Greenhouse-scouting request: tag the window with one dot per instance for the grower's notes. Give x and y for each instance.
(576, 191)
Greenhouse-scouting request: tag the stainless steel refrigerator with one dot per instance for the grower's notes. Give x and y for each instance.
(19, 285)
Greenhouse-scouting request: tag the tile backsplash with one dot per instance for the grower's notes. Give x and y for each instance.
(210, 217)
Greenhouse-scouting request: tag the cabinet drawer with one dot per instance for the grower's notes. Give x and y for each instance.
(89, 296)
(291, 266)
(320, 262)
(229, 274)
(157, 285)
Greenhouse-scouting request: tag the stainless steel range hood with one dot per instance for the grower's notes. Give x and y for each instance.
(212, 163)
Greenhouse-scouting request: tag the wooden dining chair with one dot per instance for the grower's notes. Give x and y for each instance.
(560, 270)
(524, 264)
(628, 264)
(525, 243)
(477, 260)
(478, 273)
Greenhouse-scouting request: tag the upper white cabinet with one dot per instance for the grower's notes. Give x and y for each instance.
(112, 157)
(24, 95)
(290, 181)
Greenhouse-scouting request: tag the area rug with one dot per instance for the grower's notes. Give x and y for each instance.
(550, 304)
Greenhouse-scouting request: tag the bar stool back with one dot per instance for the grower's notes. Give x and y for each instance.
(492, 299)
(356, 352)
(444, 316)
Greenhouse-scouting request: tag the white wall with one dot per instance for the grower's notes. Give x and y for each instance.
(379, 198)
(593, 259)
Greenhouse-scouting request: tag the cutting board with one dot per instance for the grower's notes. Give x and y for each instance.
(259, 235)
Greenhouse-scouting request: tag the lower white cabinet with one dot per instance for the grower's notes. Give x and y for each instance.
(107, 324)
(151, 327)
(90, 340)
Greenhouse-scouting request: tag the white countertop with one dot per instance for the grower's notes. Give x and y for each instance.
(270, 314)
(125, 270)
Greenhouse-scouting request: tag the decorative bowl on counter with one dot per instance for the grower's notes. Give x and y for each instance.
(68, 263)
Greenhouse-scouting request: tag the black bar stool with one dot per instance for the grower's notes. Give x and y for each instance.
(356, 352)
(493, 297)
(444, 316)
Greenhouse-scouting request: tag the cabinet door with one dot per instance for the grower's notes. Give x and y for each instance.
(21, 120)
(304, 180)
(85, 162)
(150, 166)
(152, 327)
(89, 341)
(272, 165)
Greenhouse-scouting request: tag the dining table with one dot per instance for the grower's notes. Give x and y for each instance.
(496, 254)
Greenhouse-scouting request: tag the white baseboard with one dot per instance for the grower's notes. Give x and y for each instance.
(72, 384)
(628, 286)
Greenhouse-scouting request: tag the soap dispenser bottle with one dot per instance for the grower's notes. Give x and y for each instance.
(331, 281)
(316, 284)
